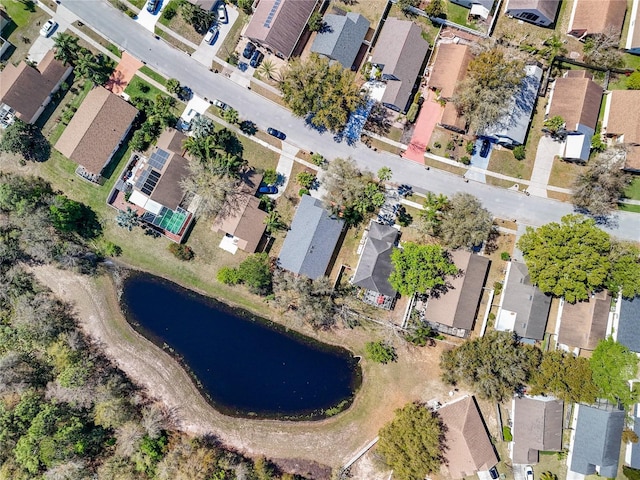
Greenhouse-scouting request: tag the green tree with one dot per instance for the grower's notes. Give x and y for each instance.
(602, 50)
(406, 5)
(315, 22)
(127, 218)
(231, 116)
(420, 268)
(22, 195)
(495, 365)
(173, 86)
(613, 365)
(554, 125)
(631, 473)
(431, 215)
(26, 140)
(92, 68)
(380, 352)
(569, 259)
(436, 8)
(385, 174)
(624, 276)
(324, 92)
(564, 376)
(492, 79)
(228, 276)
(66, 48)
(267, 69)
(197, 17)
(274, 222)
(464, 223)
(255, 273)
(71, 216)
(305, 179)
(633, 81)
(412, 444)
(202, 126)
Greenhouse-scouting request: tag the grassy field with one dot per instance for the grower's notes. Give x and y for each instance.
(371, 9)
(181, 27)
(174, 41)
(633, 191)
(564, 174)
(91, 33)
(24, 28)
(139, 88)
(153, 74)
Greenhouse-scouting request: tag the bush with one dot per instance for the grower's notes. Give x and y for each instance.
(317, 159)
(170, 10)
(633, 81)
(305, 179)
(437, 145)
(303, 191)
(228, 276)
(380, 352)
(181, 252)
(465, 160)
(505, 256)
(631, 473)
(497, 287)
(173, 86)
(451, 145)
(270, 176)
(519, 152)
(144, 87)
(469, 147)
(412, 114)
(506, 434)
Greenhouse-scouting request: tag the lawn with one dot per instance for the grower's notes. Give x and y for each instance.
(174, 41)
(564, 174)
(179, 25)
(91, 33)
(153, 74)
(233, 37)
(20, 12)
(371, 9)
(24, 30)
(139, 88)
(458, 14)
(54, 128)
(633, 191)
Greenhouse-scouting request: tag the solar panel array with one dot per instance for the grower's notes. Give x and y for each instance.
(158, 159)
(272, 13)
(142, 178)
(151, 182)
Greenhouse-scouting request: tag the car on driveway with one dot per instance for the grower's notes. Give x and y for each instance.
(220, 105)
(486, 146)
(211, 34)
(222, 13)
(248, 50)
(276, 133)
(48, 28)
(268, 189)
(528, 472)
(152, 6)
(256, 59)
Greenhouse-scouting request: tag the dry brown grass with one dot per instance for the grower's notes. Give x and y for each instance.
(563, 197)
(564, 174)
(266, 93)
(371, 9)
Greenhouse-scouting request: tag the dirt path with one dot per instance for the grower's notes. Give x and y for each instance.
(329, 442)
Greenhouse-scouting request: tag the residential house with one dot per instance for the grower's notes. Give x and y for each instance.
(628, 331)
(537, 426)
(277, 25)
(5, 20)
(399, 54)
(524, 309)
(204, 4)
(596, 445)
(632, 453)
(448, 70)
(539, 12)
(589, 17)
(621, 124)
(341, 38)
(511, 130)
(576, 98)
(468, 448)
(454, 312)
(310, 244)
(632, 44)
(241, 220)
(154, 187)
(25, 91)
(584, 324)
(375, 267)
(96, 130)
(481, 8)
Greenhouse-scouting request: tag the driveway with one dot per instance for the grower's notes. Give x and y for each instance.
(42, 45)
(529, 210)
(205, 53)
(430, 114)
(547, 150)
(285, 165)
(479, 161)
(149, 20)
(123, 73)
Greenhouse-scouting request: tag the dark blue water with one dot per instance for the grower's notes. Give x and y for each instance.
(245, 366)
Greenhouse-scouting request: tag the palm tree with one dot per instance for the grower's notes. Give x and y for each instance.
(202, 126)
(91, 67)
(66, 48)
(267, 68)
(553, 46)
(548, 476)
(127, 219)
(274, 222)
(231, 115)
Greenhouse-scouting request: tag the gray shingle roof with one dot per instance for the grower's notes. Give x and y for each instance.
(629, 324)
(342, 37)
(597, 440)
(537, 425)
(375, 264)
(311, 241)
(635, 447)
(530, 305)
(512, 128)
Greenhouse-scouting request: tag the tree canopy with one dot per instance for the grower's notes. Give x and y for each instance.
(464, 223)
(420, 269)
(495, 365)
(613, 365)
(492, 79)
(26, 140)
(564, 376)
(569, 259)
(324, 92)
(625, 269)
(412, 443)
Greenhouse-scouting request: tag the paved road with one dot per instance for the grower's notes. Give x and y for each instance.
(125, 33)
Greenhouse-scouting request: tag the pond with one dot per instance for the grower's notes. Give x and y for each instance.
(244, 365)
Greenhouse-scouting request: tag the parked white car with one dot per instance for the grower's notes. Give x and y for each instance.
(222, 13)
(212, 33)
(528, 472)
(48, 28)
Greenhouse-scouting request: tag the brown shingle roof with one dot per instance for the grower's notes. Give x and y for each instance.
(468, 447)
(279, 23)
(584, 324)
(458, 307)
(632, 159)
(633, 37)
(171, 140)
(449, 68)
(94, 132)
(401, 49)
(598, 16)
(168, 191)
(26, 89)
(537, 425)
(624, 115)
(577, 100)
(451, 118)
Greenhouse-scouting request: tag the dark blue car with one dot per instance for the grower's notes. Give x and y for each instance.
(256, 58)
(248, 50)
(268, 189)
(276, 133)
(153, 5)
